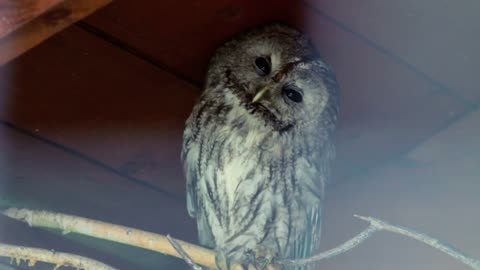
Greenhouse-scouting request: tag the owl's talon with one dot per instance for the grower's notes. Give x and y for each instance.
(262, 257)
(261, 262)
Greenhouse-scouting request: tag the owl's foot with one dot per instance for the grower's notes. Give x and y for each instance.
(261, 257)
(261, 263)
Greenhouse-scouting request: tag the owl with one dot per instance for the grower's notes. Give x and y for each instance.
(257, 148)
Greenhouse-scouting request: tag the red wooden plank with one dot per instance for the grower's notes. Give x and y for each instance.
(386, 109)
(14, 14)
(183, 35)
(103, 102)
(40, 28)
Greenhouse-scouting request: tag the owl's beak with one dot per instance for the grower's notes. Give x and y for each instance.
(261, 93)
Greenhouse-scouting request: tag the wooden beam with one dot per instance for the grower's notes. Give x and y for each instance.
(25, 24)
(14, 14)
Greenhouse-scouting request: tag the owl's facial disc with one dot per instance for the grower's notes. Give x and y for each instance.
(276, 77)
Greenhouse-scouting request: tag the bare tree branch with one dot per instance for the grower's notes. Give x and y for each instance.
(111, 232)
(424, 238)
(350, 244)
(195, 255)
(32, 255)
(184, 255)
(379, 225)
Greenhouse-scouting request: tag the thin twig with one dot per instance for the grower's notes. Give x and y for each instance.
(424, 238)
(350, 244)
(379, 225)
(33, 255)
(184, 255)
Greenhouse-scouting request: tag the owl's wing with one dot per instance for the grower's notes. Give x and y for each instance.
(190, 169)
(191, 192)
(189, 158)
(308, 243)
(204, 231)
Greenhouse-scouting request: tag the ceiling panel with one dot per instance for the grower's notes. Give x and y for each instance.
(182, 35)
(98, 101)
(385, 109)
(439, 38)
(128, 114)
(458, 142)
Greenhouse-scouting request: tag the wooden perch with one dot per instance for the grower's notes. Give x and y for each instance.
(111, 232)
(193, 254)
(14, 14)
(26, 23)
(33, 255)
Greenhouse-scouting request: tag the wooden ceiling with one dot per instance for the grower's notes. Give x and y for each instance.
(99, 108)
(388, 104)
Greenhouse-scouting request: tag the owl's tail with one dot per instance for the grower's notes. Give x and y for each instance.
(308, 244)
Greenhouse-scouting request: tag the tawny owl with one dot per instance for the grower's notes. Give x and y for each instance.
(258, 145)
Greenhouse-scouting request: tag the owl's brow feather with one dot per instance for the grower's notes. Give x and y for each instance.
(287, 67)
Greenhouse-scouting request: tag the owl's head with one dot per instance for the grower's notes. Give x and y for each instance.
(276, 74)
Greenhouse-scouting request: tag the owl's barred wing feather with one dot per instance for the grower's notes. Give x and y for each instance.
(190, 171)
(308, 242)
(191, 195)
(189, 150)
(190, 155)
(204, 230)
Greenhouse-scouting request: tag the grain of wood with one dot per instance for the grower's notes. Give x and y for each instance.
(38, 29)
(33, 255)
(16, 13)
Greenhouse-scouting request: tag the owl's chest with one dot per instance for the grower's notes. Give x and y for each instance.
(240, 136)
(242, 161)
(239, 159)
(243, 143)
(256, 176)
(238, 152)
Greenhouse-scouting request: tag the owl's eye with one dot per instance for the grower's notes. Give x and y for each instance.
(292, 94)
(262, 66)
